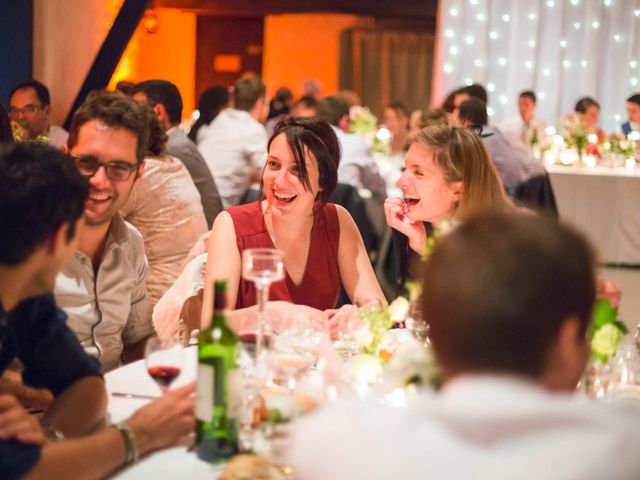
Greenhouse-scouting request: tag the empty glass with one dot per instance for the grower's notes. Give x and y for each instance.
(262, 266)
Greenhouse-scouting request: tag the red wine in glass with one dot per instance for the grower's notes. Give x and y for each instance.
(164, 375)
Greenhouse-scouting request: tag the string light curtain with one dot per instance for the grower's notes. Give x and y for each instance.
(561, 49)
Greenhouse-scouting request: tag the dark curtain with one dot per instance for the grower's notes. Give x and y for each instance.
(384, 66)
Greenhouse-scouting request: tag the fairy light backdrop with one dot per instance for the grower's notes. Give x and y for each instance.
(561, 49)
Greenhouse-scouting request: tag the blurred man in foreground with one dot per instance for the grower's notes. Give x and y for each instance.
(41, 202)
(509, 300)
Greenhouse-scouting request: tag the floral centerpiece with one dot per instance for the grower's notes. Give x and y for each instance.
(365, 124)
(19, 132)
(575, 133)
(607, 331)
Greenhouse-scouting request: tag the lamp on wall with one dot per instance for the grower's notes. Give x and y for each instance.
(150, 21)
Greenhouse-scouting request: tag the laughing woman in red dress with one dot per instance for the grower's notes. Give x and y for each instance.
(321, 244)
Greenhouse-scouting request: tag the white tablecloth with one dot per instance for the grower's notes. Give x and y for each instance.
(168, 464)
(604, 203)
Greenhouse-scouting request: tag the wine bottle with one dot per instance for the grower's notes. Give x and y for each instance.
(218, 403)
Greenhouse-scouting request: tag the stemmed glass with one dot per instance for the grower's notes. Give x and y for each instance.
(164, 361)
(262, 266)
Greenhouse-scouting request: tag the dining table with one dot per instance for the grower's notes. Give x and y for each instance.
(129, 388)
(604, 203)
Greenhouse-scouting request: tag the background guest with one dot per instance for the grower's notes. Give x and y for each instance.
(164, 97)
(395, 117)
(305, 107)
(633, 115)
(509, 163)
(590, 111)
(164, 206)
(30, 109)
(422, 118)
(235, 143)
(212, 101)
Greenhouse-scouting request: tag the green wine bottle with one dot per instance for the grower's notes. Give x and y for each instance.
(218, 404)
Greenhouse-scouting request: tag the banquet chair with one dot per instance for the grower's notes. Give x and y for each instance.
(177, 313)
(536, 193)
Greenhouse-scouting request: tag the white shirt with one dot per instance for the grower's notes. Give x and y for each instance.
(111, 308)
(516, 130)
(58, 136)
(478, 428)
(357, 166)
(233, 145)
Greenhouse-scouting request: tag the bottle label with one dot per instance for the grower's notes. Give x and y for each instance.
(204, 400)
(234, 395)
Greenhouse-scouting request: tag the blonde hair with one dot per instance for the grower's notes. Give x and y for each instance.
(426, 118)
(463, 157)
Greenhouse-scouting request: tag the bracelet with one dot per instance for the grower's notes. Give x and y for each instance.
(129, 442)
(51, 432)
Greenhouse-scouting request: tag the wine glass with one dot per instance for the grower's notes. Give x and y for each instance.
(417, 325)
(164, 361)
(262, 266)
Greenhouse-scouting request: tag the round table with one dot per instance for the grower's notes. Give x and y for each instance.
(166, 464)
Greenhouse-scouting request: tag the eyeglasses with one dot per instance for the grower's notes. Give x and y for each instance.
(117, 171)
(27, 110)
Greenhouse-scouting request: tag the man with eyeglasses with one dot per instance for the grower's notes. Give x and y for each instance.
(30, 108)
(102, 289)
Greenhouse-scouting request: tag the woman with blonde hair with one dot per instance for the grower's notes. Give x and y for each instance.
(423, 118)
(448, 176)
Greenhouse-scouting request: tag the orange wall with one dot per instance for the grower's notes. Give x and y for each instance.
(300, 47)
(168, 54)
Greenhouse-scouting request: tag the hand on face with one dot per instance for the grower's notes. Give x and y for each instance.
(395, 210)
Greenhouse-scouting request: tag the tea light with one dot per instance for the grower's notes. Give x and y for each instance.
(592, 138)
(550, 130)
(550, 157)
(634, 136)
(558, 141)
(630, 163)
(590, 161)
(568, 157)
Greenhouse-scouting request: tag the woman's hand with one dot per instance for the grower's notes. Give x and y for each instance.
(395, 214)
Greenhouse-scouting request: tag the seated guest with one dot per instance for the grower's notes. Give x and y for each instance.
(306, 106)
(526, 129)
(102, 289)
(279, 108)
(164, 97)
(396, 118)
(30, 109)
(357, 167)
(321, 244)
(212, 101)
(448, 175)
(423, 118)
(510, 337)
(590, 111)
(235, 143)
(41, 202)
(164, 206)
(633, 114)
(509, 163)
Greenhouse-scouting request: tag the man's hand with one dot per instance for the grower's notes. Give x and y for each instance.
(165, 422)
(16, 423)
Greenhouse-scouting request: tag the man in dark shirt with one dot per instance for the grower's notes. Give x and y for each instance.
(41, 201)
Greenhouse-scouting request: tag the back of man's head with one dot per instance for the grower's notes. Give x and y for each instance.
(164, 93)
(40, 190)
(476, 90)
(42, 92)
(114, 110)
(247, 91)
(498, 289)
(474, 111)
(332, 109)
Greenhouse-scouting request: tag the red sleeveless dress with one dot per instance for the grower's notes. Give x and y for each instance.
(320, 286)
